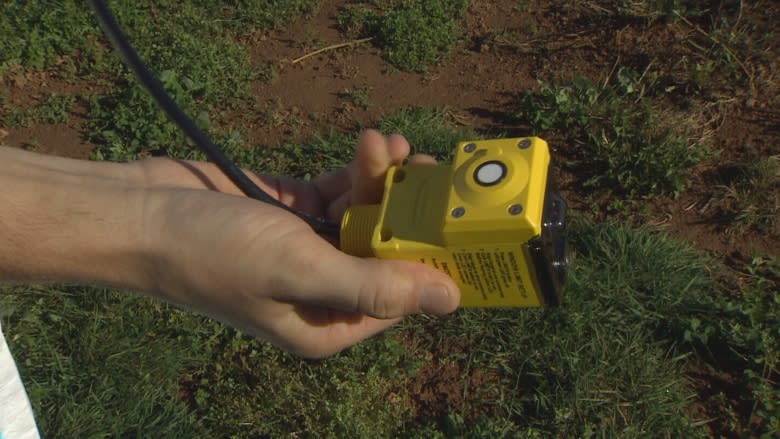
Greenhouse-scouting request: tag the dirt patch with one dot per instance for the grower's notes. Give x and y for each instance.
(25, 90)
(63, 139)
(309, 95)
(721, 403)
(443, 387)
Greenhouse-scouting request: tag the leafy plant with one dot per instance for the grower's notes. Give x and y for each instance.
(743, 323)
(750, 200)
(131, 124)
(37, 33)
(357, 96)
(195, 55)
(199, 65)
(621, 144)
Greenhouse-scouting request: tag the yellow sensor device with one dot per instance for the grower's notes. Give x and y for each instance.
(490, 221)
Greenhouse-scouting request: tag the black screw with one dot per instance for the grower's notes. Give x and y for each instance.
(470, 147)
(458, 212)
(524, 144)
(515, 209)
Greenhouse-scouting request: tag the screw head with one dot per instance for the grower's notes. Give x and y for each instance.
(524, 144)
(515, 209)
(458, 212)
(470, 147)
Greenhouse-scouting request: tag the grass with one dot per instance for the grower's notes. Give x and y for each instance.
(611, 361)
(429, 130)
(749, 200)
(37, 34)
(413, 34)
(100, 363)
(602, 364)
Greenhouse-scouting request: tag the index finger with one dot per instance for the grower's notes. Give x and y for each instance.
(332, 185)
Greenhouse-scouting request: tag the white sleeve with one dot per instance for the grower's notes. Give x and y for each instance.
(16, 416)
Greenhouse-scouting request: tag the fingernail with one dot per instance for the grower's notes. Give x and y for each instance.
(436, 299)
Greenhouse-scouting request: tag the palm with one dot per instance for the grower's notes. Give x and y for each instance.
(284, 282)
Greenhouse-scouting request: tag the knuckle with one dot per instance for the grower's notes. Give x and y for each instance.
(381, 295)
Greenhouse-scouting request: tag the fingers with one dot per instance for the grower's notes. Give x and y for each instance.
(322, 332)
(375, 154)
(365, 174)
(337, 208)
(378, 288)
(335, 183)
(421, 160)
(398, 148)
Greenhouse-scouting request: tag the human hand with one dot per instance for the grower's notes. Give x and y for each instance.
(264, 270)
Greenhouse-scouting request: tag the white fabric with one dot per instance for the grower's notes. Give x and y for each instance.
(16, 416)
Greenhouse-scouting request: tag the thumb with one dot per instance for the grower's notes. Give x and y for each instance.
(378, 288)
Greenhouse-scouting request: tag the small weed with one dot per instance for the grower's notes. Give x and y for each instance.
(724, 49)
(522, 6)
(321, 154)
(751, 200)
(359, 19)
(272, 113)
(356, 96)
(428, 131)
(654, 9)
(497, 38)
(267, 73)
(55, 109)
(413, 34)
(33, 145)
(622, 145)
(310, 40)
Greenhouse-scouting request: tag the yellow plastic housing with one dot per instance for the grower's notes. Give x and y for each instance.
(471, 220)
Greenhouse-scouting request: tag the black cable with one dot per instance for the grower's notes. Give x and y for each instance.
(212, 151)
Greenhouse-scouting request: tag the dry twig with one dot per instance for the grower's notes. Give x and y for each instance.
(331, 47)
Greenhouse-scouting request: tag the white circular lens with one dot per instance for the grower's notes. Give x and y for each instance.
(490, 173)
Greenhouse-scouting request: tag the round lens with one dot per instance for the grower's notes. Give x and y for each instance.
(490, 173)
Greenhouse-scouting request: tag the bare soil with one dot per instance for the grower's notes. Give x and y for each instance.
(479, 85)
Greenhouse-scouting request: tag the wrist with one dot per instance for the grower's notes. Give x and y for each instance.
(70, 221)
